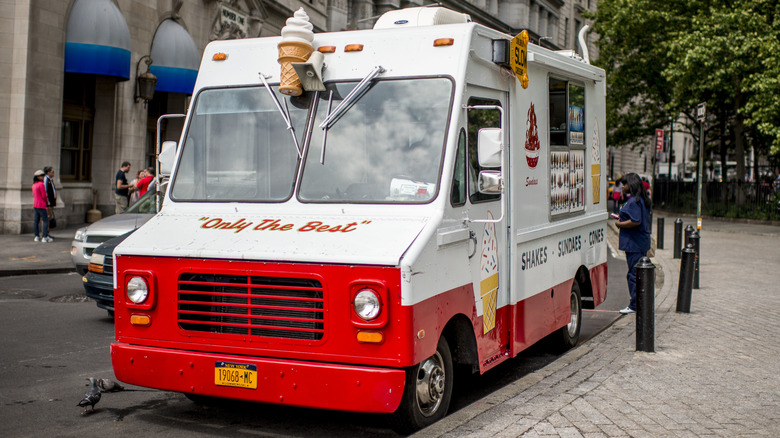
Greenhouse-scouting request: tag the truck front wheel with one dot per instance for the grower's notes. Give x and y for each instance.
(427, 391)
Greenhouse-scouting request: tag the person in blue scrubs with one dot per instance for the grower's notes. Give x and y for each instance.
(634, 225)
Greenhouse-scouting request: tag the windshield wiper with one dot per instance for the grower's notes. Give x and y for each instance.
(351, 99)
(325, 133)
(285, 115)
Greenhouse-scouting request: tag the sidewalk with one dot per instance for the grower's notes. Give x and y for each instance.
(20, 255)
(714, 372)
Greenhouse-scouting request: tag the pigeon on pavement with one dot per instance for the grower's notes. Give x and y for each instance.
(108, 385)
(91, 397)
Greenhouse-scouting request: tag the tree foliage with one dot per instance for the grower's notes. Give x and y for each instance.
(663, 58)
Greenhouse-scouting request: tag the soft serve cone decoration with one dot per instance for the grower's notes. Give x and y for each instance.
(296, 46)
(488, 285)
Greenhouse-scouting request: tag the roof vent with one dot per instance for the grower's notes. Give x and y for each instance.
(422, 16)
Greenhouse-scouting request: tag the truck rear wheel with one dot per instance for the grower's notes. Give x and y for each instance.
(570, 333)
(427, 391)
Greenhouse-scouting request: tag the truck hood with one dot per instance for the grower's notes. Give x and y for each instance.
(283, 238)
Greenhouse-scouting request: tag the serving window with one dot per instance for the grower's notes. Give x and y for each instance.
(567, 147)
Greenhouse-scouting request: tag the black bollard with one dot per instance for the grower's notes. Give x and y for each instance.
(645, 305)
(688, 231)
(694, 239)
(660, 234)
(686, 279)
(678, 242)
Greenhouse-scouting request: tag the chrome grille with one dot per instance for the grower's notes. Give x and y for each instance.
(97, 239)
(276, 307)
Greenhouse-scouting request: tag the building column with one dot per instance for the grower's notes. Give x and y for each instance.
(15, 194)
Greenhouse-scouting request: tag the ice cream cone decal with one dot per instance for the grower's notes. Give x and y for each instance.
(296, 46)
(531, 139)
(488, 285)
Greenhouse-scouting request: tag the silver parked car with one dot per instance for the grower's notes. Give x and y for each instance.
(90, 237)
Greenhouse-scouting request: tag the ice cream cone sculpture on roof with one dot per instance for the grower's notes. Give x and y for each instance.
(296, 46)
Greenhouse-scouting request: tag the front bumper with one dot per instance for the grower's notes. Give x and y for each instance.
(280, 381)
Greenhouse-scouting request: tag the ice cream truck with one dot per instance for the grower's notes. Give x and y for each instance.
(414, 197)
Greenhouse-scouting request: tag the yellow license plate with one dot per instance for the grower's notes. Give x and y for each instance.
(239, 375)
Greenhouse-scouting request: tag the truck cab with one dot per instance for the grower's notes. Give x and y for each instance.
(343, 248)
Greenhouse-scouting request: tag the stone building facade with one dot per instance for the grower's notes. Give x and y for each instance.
(68, 92)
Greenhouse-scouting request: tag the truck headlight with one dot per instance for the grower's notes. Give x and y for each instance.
(137, 290)
(367, 304)
(80, 233)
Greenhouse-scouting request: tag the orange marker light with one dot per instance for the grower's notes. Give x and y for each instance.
(142, 320)
(443, 42)
(219, 56)
(370, 337)
(327, 49)
(353, 48)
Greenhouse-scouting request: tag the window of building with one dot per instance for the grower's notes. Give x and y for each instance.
(567, 147)
(78, 112)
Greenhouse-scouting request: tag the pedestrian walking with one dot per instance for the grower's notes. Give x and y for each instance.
(51, 195)
(40, 201)
(123, 189)
(634, 224)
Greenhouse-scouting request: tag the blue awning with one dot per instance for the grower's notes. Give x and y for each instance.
(176, 58)
(97, 40)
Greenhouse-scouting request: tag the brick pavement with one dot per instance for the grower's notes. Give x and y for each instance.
(715, 372)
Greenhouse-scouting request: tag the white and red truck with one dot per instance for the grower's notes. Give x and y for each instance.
(434, 196)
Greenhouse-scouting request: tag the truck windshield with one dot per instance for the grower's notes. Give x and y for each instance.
(386, 148)
(238, 147)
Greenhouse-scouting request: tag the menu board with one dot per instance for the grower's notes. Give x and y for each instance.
(567, 181)
(559, 183)
(577, 180)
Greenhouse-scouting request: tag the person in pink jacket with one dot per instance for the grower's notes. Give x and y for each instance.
(40, 202)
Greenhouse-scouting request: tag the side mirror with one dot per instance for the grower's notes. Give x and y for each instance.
(167, 157)
(489, 147)
(489, 182)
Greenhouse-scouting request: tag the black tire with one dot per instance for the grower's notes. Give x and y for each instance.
(202, 400)
(427, 392)
(569, 334)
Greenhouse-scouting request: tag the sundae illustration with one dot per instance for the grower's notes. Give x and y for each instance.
(488, 285)
(531, 139)
(296, 46)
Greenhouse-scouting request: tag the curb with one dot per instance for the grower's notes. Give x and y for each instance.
(34, 271)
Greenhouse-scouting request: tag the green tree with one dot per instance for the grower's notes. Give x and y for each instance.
(663, 58)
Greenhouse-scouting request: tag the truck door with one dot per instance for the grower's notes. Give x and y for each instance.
(487, 226)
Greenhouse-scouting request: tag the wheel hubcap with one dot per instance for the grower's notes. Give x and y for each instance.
(430, 384)
(575, 314)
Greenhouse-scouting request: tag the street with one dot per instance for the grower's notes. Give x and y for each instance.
(55, 339)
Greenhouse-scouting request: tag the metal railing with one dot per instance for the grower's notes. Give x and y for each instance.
(734, 199)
